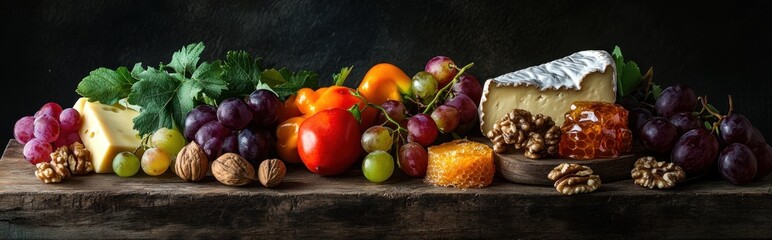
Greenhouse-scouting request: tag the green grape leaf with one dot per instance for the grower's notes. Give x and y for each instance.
(339, 78)
(628, 74)
(106, 86)
(186, 59)
(295, 81)
(242, 73)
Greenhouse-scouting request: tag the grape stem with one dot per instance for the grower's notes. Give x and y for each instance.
(446, 88)
(399, 129)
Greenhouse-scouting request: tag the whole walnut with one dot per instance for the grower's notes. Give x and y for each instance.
(233, 170)
(191, 163)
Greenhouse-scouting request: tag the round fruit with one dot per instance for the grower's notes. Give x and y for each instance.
(422, 129)
(735, 128)
(424, 86)
(737, 164)
(230, 144)
(211, 130)
(684, 122)
(51, 109)
(756, 138)
(46, 128)
(395, 110)
(378, 166)
(327, 142)
(253, 146)
(126, 164)
(24, 128)
(469, 86)
(695, 151)
(636, 118)
(377, 138)
(265, 107)
(170, 140)
(212, 148)
(65, 139)
(196, 118)
(443, 68)
(675, 99)
(234, 113)
(155, 161)
(658, 135)
(466, 108)
(69, 120)
(37, 151)
(446, 117)
(413, 159)
(763, 153)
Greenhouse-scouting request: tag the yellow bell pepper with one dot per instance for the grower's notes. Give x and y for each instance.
(384, 82)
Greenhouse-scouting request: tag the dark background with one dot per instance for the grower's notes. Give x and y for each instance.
(718, 49)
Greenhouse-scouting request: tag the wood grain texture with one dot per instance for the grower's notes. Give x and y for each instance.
(309, 206)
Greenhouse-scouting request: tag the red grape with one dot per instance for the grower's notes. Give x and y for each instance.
(234, 114)
(443, 68)
(211, 129)
(422, 129)
(466, 108)
(24, 128)
(413, 159)
(253, 146)
(395, 110)
(51, 109)
(230, 144)
(196, 118)
(69, 120)
(37, 151)
(735, 128)
(737, 164)
(446, 117)
(46, 128)
(65, 139)
(636, 118)
(265, 107)
(213, 148)
(658, 135)
(756, 138)
(763, 153)
(695, 151)
(469, 86)
(684, 122)
(675, 99)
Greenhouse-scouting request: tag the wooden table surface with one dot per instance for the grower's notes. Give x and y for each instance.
(309, 206)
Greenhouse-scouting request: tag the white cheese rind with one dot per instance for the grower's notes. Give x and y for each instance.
(550, 88)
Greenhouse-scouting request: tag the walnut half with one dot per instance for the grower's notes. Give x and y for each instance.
(650, 173)
(571, 178)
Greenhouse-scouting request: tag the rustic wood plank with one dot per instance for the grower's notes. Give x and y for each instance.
(309, 206)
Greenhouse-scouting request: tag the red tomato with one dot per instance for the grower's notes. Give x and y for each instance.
(329, 142)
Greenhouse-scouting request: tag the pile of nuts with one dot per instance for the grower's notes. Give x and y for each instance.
(650, 173)
(230, 169)
(65, 161)
(537, 134)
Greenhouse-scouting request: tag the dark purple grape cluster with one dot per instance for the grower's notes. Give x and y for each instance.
(437, 111)
(739, 155)
(240, 126)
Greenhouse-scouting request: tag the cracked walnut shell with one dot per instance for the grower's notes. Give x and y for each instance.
(571, 178)
(650, 173)
(79, 160)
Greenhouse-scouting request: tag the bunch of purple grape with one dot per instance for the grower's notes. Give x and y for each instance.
(50, 128)
(739, 155)
(456, 114)
(241, 126)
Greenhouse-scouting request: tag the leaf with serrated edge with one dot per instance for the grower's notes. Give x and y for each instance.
(106, 86)
(208, 79)
(164, 101)
(185, 60)
(273, 77)
(301, 79)
(241, 73)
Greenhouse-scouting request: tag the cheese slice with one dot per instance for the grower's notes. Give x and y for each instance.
(106, 131)
(550, 88)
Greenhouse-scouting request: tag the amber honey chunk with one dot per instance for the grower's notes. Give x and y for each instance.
(461, 164)
(595, 130)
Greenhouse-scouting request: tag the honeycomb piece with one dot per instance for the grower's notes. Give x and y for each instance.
(461, 164)
(595, 130)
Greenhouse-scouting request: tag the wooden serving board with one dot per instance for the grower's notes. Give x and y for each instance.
(517, 168)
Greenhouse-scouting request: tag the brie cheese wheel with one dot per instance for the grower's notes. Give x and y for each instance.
(550, 88)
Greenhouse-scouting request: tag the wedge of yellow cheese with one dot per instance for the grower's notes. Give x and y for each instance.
(106, 131)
